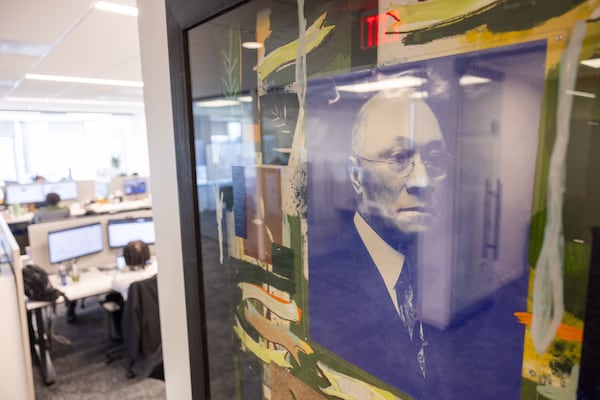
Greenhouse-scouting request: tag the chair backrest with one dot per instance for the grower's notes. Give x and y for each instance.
(141, 320)
(51, 215)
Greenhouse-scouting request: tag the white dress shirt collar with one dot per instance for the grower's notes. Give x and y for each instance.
(389, 261)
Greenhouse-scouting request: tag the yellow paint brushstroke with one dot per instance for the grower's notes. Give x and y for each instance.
(409, 17)
(348, 388)
(264, 354)
(277, 334)
(286, 309)
(286, 54)
(564, 332)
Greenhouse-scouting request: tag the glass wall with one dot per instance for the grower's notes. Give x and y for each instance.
(396, 198)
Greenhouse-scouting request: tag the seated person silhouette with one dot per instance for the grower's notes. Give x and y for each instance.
(137, 258)
(52, 211)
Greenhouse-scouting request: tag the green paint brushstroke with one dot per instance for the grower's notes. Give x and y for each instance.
(283, 261)
(437, 10)
(246, 272)
(286, 55)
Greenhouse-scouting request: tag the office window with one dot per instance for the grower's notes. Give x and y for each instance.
(77, 146)
(8, 166)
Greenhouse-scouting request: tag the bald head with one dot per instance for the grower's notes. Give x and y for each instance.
(399, 159)
(394, 115)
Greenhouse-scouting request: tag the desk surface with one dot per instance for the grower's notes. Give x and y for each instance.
(92, 282)
(27, 217)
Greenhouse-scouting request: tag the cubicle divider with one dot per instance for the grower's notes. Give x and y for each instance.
(16, 375)
(38, 239)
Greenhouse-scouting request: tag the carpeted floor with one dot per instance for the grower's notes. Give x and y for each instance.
(81, 368)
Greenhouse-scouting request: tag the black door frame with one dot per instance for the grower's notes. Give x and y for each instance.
(181, 16)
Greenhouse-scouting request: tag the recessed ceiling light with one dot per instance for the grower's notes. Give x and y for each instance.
(117, 8)
(91, 81)
(217, 103)
(23, 48)
(396, 83)
(252, 45)
(581, 94)
(74, 101)
(467, 80)
(592, 62)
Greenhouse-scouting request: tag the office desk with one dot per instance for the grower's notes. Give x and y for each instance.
(91, 283)
(113, 208)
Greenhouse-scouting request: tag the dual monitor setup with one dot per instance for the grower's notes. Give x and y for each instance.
(36, 192)
(67, 190)
(78, 241)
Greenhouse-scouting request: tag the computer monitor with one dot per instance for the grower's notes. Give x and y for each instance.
(75, 242)
(67, 190)
(134, 186)
(122, 231)
(24, 194)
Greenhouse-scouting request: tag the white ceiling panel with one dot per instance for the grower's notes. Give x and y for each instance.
(12, 66)
(67, 38)
(109, 41)
(39, 21)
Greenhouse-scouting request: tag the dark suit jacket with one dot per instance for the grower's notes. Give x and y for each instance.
(352, 315)
(141, 321)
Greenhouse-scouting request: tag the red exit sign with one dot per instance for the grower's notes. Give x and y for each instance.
(369, 30)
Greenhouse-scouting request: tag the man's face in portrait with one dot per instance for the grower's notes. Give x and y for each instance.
(398, 164)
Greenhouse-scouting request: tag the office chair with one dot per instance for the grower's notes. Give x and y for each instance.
(113, 305)
(51, 215)
(140, 327)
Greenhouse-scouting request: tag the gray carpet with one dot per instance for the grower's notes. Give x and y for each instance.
(81, 368)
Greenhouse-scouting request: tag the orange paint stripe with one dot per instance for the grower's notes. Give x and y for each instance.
(564, 332)
(271, 295)
(279, 299)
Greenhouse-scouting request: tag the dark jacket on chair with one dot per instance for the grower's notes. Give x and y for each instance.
(141, 323)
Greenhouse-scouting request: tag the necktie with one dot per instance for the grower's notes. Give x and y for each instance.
(408, 313)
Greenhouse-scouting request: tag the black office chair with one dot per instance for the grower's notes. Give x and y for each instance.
(140, 327)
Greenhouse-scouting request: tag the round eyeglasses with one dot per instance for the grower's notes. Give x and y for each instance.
(403, 162)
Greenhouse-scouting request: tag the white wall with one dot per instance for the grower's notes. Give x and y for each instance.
(161, 145)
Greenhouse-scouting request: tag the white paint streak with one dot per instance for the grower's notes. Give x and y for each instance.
(295, 178)
(219, 216)
(548, 302)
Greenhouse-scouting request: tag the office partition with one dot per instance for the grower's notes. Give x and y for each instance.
(38, 239)
(16, 375)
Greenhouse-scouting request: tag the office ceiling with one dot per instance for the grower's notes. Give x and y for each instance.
(68, 38)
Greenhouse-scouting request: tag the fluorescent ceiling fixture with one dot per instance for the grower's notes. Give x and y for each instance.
(396, 83)
(592, 62)
(581, 94)
(91, 81)
(23, 48)
(117, 8)
(4, 83)
(74, 101)
(420, 95)
(217, 103)
(252, 45)
(467, 80)
(245, 99)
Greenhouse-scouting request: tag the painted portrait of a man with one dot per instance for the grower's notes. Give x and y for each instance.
(389, 291)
